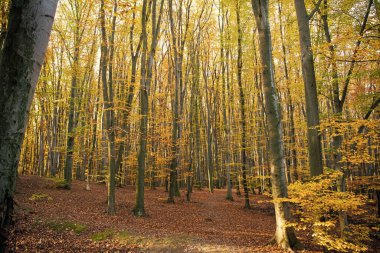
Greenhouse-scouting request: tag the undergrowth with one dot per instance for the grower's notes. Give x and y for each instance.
(61, 226)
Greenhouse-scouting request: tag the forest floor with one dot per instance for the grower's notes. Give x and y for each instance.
(53, 220)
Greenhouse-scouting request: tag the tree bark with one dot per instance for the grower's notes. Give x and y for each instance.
(139, 209)
(290, 109)
(106, 58)
(175, 129)
(312, 108)
(242, 109)
(178, 36)
(284, 235)
(29, 28)
(68, 171)
(146, 77)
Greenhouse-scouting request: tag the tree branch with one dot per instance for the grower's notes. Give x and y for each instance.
(349, 74)
(371, 109)
(316, 8)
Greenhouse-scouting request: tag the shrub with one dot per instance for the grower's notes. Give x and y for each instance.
(318, 206)
(102, 235)
(40, 197)
(61, 226)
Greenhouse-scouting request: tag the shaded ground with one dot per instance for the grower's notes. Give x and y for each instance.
(53, 220)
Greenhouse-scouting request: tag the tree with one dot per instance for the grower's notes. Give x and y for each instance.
(308, 73)
(108, 94)
(128, 105)
(242, 108)
(80, 17)
(147, 59)
(223, 21)
(284, 235)
(339, 101)
(29, 28)
(290, 107)
(178, 37)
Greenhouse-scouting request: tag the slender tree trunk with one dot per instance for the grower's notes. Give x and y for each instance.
(139, 209)
(91, 160)
(229, 104)
(146, 76)
(53, 153)
(210, 165)
(242, 109)
(23, 53)
(41, 153)
(178, 39)
(75, 94)
(312, 108)
(175, 130)
(284, 235)
(196, 123)
(227, 129)
(207, 118)
(292, 137)
(68, 171)
(108, 106)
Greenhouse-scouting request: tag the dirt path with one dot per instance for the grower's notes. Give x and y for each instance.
(52, 220)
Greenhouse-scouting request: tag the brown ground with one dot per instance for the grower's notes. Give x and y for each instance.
(208, 223)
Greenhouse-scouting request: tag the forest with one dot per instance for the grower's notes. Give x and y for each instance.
(189, 126)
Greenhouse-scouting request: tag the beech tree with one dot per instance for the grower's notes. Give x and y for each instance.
(147, 59)
(308, 73)
(284, 235)
(242, 107)
(178, 39)
(29, 26)
(107, 50)
(80, 11)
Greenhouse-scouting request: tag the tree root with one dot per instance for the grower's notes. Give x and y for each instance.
(271, 242)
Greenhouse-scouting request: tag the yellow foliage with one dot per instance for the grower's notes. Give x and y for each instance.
(318, 206)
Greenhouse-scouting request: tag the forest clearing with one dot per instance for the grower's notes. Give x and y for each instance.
(189, 126)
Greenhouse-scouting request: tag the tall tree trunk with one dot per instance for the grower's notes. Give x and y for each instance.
(284, 235)
(106, 58)
(53, 153)
(225, 100)
(312, 108)
(175, 129)
(29, 28)
(207, 119)
(146, 77)
(139, 208)
(75, 93)
(290, 109)
(178, 39)
(68, 170)
(242, 109)
(195, 95)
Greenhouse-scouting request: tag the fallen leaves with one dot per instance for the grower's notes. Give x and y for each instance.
(76, 221)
